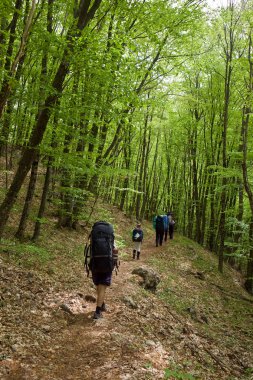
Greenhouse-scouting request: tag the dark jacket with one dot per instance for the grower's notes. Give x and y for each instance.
(137, 234)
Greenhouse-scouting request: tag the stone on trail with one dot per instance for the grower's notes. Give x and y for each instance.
(130, 302)
(150, 278)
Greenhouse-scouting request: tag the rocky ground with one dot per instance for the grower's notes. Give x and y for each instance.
(196, 325)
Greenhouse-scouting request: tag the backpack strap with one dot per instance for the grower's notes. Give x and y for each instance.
(116, 262)
(87, 256)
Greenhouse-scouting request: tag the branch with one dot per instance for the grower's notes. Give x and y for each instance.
(24, 37)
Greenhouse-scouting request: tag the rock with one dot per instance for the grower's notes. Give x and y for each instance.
(195, 314)
(150, 278)
(199, 275)
(66, 308)
(204, 318)
(90, 298)
(150, 343)
(50, 271)
(14, 347)
(192, 312)
(46, 328)
(130, 302)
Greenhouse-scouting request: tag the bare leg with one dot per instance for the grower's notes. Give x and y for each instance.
(100, 294)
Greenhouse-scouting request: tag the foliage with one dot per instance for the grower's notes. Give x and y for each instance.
(174, 374)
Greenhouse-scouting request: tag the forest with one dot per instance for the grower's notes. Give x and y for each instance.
(146, 104)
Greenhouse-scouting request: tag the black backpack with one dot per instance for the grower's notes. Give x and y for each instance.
(99, 256)
(137, 235)
(159, 222)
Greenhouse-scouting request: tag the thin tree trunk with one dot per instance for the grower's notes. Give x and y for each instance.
(142, 169)
(223, 199)
(247, 186)
(28, 201)
(43, 201)
(249, 275)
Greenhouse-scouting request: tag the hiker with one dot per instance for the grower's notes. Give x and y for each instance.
(158, 225)
(103, 255)
(137, 237)
(171, 224)
(166, 226)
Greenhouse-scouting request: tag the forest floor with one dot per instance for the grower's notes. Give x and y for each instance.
(198, 324)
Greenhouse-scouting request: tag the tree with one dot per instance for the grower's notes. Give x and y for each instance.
(82, 17)
(246, 113)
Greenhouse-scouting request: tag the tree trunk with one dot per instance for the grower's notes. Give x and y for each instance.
(28, 201)
(223, 200)
(249, 275)
(43, 201)
(85, 15)
(247, 186)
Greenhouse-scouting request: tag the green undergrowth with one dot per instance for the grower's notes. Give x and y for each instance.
(178, 375)
(58, 248)
(27, 255)
(193, 287)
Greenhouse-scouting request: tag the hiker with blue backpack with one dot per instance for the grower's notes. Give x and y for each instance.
(137, 237)
(166, 226)
(158, 224)
(101, 258)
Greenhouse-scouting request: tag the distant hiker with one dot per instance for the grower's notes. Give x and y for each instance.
(137, 237)
(158, 225)
(101, 257)
(166, 226)
(171, 224)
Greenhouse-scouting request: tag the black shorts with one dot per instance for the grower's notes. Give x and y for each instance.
(102, 278)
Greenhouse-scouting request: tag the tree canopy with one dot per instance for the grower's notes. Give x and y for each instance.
(143, 103)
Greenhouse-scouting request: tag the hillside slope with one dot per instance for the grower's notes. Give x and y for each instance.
(198, 325)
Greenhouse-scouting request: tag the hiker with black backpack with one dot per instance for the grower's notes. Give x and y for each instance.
(101, 258)
(137, 237)
(158, 224)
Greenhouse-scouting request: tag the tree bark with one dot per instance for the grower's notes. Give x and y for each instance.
(43, 201)
(28, 201)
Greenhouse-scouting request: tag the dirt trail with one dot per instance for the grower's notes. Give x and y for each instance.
(110, 348)
(139, 338)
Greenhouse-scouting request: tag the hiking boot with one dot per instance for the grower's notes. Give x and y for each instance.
(97, 315)
(103, 307)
